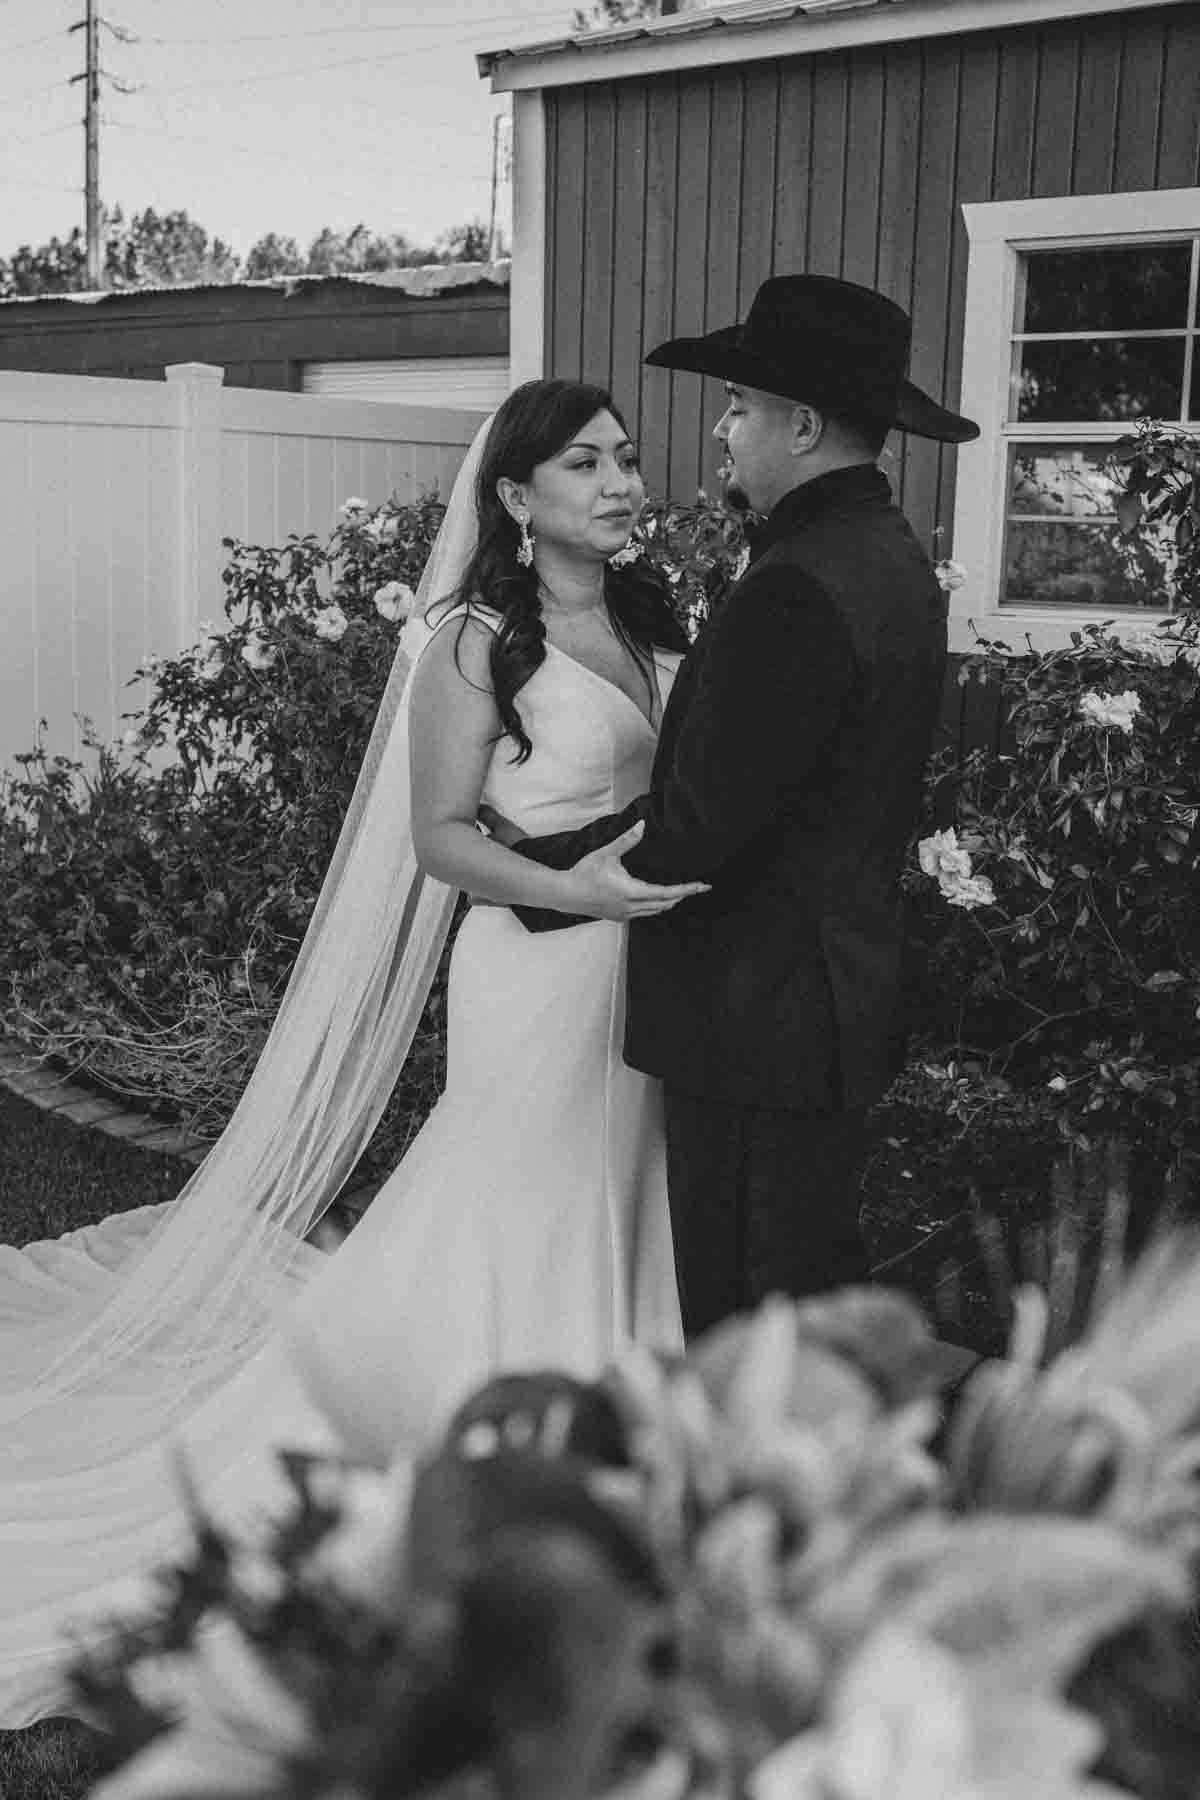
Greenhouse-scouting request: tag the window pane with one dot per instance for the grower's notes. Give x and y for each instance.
(1061, 481)
(1109, 379)
(1076, 565)
(1062, 545)
(1135, 288)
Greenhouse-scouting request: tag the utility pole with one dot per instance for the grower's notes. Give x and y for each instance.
(501, 173)
(491, 250)
(90, 26)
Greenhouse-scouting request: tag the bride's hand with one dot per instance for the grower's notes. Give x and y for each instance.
(600, 887)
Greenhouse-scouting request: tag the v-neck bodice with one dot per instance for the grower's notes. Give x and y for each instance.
(652, 723)
(593, 746)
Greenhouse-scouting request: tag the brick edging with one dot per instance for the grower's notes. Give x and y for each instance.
(24, 1073)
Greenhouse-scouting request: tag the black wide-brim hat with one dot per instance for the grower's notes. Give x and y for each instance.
(838, 346)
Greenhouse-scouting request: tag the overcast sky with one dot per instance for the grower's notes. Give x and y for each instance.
(259, 115)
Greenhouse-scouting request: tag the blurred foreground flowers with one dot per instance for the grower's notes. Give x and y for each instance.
(772, 1568)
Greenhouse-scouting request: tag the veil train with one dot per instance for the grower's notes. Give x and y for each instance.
(111, 1336)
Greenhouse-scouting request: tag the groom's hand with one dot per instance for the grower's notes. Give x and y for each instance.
(502, 830)
(601, 887)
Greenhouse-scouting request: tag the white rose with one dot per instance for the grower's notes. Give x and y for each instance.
(352, 508)
(394, 600)
(968, 891)
(1057, 1084)
(330, 622)
(257, 653)
(210, 668)
(1110, 712)
(375, 529)
(940, 855)
(132, 738)
(950, 574)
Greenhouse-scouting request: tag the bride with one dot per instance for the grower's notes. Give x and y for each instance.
(527, 1224)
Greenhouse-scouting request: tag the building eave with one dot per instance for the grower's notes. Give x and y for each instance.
(754, 30)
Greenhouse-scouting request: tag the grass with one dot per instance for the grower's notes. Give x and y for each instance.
(54, 1176)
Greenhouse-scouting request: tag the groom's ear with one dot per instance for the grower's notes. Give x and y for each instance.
(808, 428)
(512, 496)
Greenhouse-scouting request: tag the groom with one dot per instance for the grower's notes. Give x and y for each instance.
(788, 775)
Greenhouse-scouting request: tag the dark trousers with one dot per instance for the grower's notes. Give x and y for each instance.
(762, 1202)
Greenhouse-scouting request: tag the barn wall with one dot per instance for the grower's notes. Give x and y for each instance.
(671, 197)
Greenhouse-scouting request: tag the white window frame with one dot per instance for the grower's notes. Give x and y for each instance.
(998, 231)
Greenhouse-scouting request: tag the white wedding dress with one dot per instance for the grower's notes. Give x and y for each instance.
(526, 1226)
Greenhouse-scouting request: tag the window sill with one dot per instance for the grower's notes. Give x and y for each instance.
(1045, 627)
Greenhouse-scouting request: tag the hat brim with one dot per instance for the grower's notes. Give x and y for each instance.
(725, 355)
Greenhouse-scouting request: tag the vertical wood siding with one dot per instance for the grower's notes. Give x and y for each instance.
(671, 197)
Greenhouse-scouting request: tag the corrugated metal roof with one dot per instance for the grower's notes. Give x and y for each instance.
(716, 31)
(419, 283)
(698, 20)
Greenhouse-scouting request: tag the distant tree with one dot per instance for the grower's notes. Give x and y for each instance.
(464, 243)
(170, 249)
(148, 250)
(361, 250)
(57, 267)
(273, 255)
(603, 14)
(166, 250)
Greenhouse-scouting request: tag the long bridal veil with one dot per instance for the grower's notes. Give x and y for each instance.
(110, 1336)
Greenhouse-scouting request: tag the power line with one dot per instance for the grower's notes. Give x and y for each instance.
(51, 37)
(257, 151)
(45, 187)
(349, 62)
(511, 17)
(35, 137)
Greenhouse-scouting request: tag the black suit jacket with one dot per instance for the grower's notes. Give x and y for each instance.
(788, 774)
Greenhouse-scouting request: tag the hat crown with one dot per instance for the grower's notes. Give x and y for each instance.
(838, 312)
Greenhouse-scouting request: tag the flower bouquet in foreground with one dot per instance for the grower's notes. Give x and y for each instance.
(771, 1568)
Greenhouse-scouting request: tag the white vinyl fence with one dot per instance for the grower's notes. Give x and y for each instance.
(114, 498)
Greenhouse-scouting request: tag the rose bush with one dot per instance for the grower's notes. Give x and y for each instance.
(1063, 939)
(154, 897)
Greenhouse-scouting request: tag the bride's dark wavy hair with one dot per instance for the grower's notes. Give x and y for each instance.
(536, 422)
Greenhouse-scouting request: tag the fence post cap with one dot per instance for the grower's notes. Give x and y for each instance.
(195, 371)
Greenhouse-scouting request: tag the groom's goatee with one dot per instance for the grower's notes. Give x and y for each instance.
(733, 494)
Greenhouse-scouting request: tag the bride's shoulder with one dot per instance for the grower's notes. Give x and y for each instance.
(455, 647)
(473, 611)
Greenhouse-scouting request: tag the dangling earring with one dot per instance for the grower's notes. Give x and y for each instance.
(525, 547)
